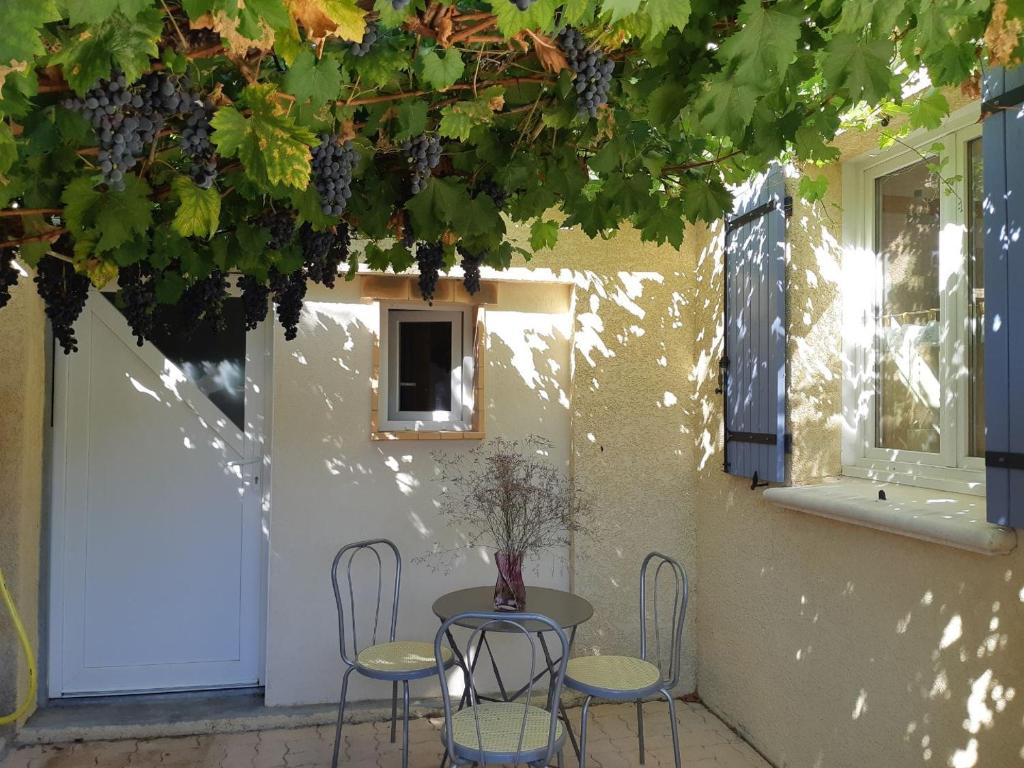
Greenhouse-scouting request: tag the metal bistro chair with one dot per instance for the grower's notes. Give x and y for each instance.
(624, 678)
(494, 732)
(397, 661)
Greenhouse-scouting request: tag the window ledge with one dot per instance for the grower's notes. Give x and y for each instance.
(424, 434)
(952, 519)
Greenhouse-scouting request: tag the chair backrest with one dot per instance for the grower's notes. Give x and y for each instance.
(668, 641)
(378, 552)
(523, 626)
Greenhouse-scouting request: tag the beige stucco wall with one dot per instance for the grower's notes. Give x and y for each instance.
(631, 435)
(825, 644)
(22, 390)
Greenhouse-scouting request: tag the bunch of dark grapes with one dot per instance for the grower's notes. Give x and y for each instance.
(491, 188)
(424, 153)
(119, 133)
(289, 291)
(138, 299)
(399, 4)
(592, 70)
(333, 164)
(281, 225)
(430, 259)
(522, 5)
(8, 279)
(471, 270)
(323, 252)
(254, 300)
(204, 301)
(195, 141)
(64, 292)
(369, 38)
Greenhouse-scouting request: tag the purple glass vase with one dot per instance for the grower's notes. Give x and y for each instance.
(509, 591)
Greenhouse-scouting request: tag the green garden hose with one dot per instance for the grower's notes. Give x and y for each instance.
(26, 646)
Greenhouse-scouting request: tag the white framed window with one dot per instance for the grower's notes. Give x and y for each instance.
(913, 298)
(426, 369)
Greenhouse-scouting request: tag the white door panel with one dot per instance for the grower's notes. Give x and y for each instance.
(156, 535)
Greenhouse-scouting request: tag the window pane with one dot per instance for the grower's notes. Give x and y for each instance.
(424, 366)
(907, 389)
(212, 359)
(975, 301)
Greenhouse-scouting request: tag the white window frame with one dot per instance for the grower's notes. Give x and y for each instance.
(460, 417)
(951, 469)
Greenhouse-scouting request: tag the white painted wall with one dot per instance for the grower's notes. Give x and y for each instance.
(332, 485)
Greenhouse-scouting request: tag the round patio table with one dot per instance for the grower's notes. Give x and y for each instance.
(564, 608)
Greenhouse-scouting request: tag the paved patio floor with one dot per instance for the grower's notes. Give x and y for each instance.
(705, 743)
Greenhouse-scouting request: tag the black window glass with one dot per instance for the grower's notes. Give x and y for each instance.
(424, 366)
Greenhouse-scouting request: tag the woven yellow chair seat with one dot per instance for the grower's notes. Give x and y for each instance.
(500, 726)
(612, 673)
(401, 656)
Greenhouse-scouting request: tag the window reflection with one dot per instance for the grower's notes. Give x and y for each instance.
(908, 392)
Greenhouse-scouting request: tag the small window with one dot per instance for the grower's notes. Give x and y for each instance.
(426, 370)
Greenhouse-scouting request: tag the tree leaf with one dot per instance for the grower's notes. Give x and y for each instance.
(412, 119)
(440, 72)
(112, 217)
(459, 119)
(199, 212)
(543, 234)
(22, 20)
(813, 189)
(318, 82)
(725, 108)
(705, 199)
(93, 52)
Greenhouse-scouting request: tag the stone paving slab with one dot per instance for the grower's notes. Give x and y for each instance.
(705, 742)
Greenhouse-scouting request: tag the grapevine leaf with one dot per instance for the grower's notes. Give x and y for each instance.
(663, 224)
(459, 119)
(539, 16)
(169, 287)
(20, 42)
(726, 107)
(929, 110)
(616, 10)
(112, 217)
(273, 149)
(543, 234)
(665, 14)
(95, 11)
(128, 44)
(762, 50)
(199, 212)
(813, 189)
(665, 103)
(705, 199)
(861, 67)
(307, 78)
(8, 151)
(412, 119)
(320, 18)
(440, 72)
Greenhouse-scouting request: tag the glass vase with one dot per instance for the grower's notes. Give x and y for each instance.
(509, 591)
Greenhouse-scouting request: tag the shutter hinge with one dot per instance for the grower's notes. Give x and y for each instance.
(723, 365)
(1007, 100)
(787, 206)
(1004, 460)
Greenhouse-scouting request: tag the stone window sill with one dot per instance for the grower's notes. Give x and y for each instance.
(411, 434)
(952, 519)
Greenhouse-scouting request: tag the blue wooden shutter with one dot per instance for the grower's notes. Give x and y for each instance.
(1003, 150)
(753, 366)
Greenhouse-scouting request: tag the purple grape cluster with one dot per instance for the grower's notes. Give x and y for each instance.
(8, 279)
(203, 301)
(491, 188)
(289, 292)
(64, 292)
(281, 225)
(370, 36)
(138, 299)
(430, 259)
(522, 5)
(471, 270)
(424, 153)
(333, 164)
(399, 4)
(254, 300)
(592, 69)
(195, 142)
(324, 252)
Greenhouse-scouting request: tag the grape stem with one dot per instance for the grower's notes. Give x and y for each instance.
(45, 237)
(29, 211)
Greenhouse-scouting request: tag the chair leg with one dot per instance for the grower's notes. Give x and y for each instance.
(561, 758)
(341, 717)
(675, 725)
(583, 731)
(405, 724)
(640, 728)
(394, 708)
